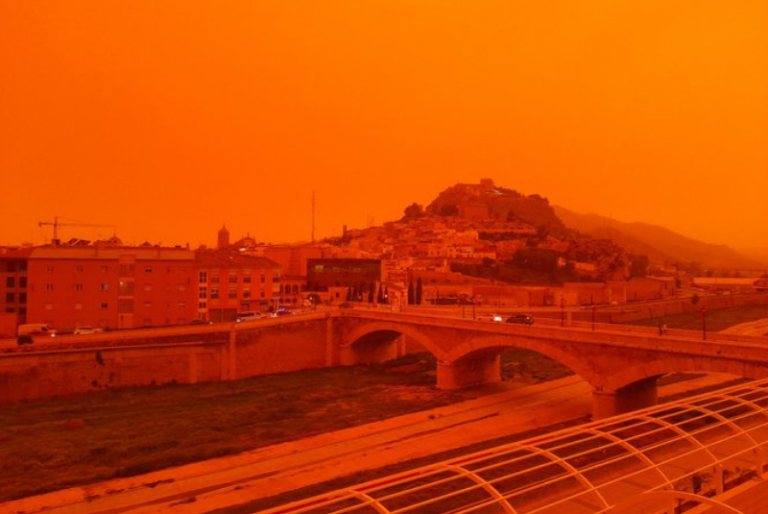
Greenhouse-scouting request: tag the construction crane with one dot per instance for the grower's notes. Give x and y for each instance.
(56, 224)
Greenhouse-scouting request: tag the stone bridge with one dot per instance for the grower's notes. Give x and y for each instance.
(621, 363)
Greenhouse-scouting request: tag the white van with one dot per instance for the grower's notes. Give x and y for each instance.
(36, 329)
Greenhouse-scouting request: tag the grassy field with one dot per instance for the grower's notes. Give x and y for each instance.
(716, 320)
(131, 431)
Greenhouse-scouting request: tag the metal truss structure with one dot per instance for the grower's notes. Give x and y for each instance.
(658, 460)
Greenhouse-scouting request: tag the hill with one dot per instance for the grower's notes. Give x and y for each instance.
(658, 243)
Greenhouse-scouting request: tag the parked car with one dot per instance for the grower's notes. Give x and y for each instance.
(84, 330)
(490, 317)
(284, 312)
(200, 322)
(521, 319)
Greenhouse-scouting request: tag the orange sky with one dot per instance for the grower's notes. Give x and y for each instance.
(168, 118)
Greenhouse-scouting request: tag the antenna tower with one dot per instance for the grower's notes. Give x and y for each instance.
(313, 215)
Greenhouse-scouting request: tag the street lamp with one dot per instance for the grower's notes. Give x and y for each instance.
(704, 323)
(562, 312)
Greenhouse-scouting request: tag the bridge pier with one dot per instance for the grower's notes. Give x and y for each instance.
(471, 372)
(638, 395)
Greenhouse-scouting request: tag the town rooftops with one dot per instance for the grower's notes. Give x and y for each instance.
(232, 259)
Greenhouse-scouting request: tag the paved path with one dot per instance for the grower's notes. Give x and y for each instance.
(752, 328)
(275, 469)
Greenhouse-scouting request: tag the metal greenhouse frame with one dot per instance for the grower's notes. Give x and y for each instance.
(684, 452)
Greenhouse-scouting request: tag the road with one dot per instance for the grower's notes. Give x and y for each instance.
(201, 487)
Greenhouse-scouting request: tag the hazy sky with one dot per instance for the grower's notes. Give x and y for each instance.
(167, 118)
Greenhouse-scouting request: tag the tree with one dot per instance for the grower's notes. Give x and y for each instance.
(411, 294)
(414, 211)
(419, 292)
(639, 265)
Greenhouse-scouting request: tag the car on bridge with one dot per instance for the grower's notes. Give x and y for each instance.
(248, 316)
(521, 319)
(490, 317)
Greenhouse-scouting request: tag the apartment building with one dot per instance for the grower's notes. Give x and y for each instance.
(111, 287)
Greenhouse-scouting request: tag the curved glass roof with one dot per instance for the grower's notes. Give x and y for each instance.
(685, 451)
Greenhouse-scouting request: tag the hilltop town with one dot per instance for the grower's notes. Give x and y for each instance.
(475, 244)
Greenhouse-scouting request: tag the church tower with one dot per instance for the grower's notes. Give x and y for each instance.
(223, 241)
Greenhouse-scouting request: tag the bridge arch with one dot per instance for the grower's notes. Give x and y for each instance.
(485, 347)
(629, 375)
(388, 346)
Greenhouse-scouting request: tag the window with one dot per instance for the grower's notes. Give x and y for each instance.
(9, 309)
(233, 279)
(103, 306)
(246, 294)
(202, 305)
(262, 294)
(49, 269)
(10, 282)
(22, 310)
(203, 294)
(247, 279)
(203, 277)
(125, 287)
(182, 305)
(263, 278)
(124, 306)
(78, 269)
(232, 293)
(105, 287)
(214, 293)
(148, 270)
(214, 279)
(22, 281)
(10, 297)
(78, 287)
(22, 297)
(49, 287)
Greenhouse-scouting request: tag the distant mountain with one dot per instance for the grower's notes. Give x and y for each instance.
(759, 254)
(658, 243)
